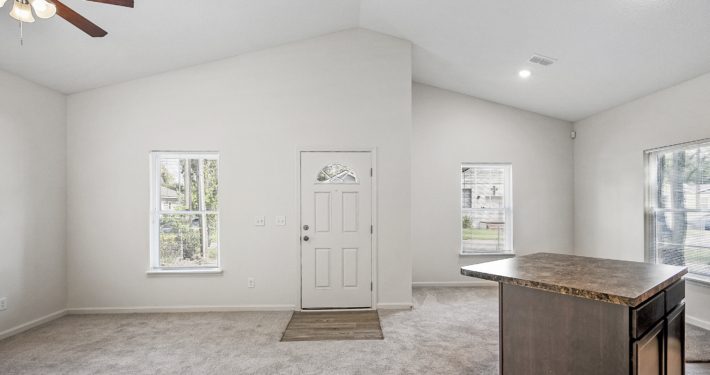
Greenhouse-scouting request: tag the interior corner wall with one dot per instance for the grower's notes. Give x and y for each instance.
(33, 191)
(609, 172)
(347, 89)
(451, 128)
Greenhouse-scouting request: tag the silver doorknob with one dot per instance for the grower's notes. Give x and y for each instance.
(305, 227)
(305, 238)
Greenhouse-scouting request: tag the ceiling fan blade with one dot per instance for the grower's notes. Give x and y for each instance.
(123, 3)
(78, 20)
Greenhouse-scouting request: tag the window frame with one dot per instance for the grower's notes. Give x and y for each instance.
(508, 210)
(156, 210)
(651, 202)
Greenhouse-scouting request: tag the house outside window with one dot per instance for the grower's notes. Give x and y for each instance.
(466, 198)
(486, 208)
(184, 211)
(678, 207)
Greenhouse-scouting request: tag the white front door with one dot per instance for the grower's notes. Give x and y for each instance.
(336, 230)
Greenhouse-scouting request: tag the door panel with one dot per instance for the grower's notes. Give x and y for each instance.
(322, 211)
(336, 216)
(322, 268)
(350, 268)
(350, 211)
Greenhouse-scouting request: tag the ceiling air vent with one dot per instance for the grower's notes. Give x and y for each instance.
(542, 60)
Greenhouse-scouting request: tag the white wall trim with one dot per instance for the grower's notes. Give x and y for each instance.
(697, 322)
(177, 309)
(448, 284)
(395, 306)
(184, 272)
(31, 324)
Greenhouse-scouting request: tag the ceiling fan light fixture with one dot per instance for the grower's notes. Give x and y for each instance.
(2, 2)
(22, 11)
(43, 9)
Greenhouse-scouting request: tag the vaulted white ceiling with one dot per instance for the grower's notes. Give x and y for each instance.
(158, 36)
(608, 51)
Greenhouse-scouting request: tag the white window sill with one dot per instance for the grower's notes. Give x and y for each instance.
(508, 254)
(186, 271)
(697, 279)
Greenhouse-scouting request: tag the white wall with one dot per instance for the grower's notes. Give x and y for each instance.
(609, 171)
(33, 191)
(449, 129)
(349, 89)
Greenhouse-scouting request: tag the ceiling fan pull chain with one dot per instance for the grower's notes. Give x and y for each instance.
(22, 42)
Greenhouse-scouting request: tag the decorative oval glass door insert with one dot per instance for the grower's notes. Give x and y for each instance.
(337, 174)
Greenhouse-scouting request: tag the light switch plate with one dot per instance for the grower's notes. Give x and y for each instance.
(260, 221)
(281, 220)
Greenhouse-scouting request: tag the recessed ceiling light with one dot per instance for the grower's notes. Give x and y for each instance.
(524, 73)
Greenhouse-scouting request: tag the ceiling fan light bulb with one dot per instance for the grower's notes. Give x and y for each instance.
(22, 11)
(43, 8)
(2, 2)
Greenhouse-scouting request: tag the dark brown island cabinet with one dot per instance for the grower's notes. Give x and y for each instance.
(573, 315)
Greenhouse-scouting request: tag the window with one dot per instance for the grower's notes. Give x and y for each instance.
(486, 209)
(678, 207)
(185, 213)
(337, 174)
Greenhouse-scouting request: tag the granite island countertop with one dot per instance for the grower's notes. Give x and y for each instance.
(614, 281)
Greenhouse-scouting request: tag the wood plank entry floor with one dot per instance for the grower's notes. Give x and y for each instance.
(333, 325)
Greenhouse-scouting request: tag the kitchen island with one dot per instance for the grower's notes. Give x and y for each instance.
(565, 314)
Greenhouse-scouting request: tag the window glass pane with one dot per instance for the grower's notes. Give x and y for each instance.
(698, 260)
(194, 186)
(683, 238)
(681, 216)
(172, 184)
(486, 185)
(210, 172)
(483, 230)
(704, 184)
(212, 240)
(181, 240)
(337, 174)
(678, 176)
(484, 208)
(466, 198)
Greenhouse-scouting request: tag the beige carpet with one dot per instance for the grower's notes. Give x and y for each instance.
(697, 344)
(450, 331)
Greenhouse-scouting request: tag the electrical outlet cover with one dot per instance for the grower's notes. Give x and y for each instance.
(260, 221)
(281, 220)
(3, 303)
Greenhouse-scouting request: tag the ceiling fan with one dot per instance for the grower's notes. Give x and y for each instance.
(22, 11)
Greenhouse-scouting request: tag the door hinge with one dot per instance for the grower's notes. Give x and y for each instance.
(370, 172)
(372, 229)
(371, 286)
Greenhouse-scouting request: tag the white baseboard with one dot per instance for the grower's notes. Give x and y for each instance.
(177, 309)
(443, 284)
(395, 306)
(697, 322)
(24, 327)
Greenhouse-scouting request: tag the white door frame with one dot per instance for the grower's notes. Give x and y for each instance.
(373, 203)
